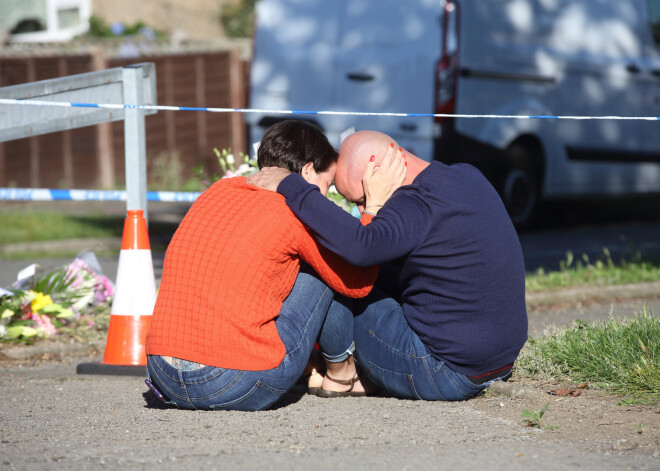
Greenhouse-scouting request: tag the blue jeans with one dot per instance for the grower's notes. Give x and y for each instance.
(336, 337)
(194, 386)
(395, 358)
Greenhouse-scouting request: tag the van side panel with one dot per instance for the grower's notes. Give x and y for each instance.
(560, 57)
(295, 58)
(356, 55)
(388, 51)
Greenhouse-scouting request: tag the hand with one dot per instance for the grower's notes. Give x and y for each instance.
(268, 178)
(379, 183)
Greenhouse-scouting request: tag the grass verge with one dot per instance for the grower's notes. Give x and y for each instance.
(583, 272)
(621, 356)
(37, 226)
(156, 248)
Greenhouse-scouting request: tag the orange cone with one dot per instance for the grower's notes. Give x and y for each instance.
(133, 304)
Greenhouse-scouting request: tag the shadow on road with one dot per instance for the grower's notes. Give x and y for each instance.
(628, 229)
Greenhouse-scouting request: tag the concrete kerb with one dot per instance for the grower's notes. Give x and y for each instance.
(594, 294)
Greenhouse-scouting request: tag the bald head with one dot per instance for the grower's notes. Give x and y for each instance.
(354, 155)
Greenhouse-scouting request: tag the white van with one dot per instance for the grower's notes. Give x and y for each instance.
(505, 57)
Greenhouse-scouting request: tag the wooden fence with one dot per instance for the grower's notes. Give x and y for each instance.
(93, 157)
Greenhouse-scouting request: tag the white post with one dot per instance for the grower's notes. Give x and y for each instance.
(135, 146)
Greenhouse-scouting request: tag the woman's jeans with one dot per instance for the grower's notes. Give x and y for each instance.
(396, 359)
(194, 386)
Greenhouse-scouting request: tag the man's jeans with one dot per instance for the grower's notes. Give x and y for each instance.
(396, 359)
(193, 386)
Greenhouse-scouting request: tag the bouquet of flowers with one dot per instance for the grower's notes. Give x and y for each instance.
(228, 167)
(39, 305)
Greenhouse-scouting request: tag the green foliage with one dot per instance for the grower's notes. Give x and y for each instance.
(584, 272)
(535, 418)
(99, 28)
(237, 18)
(622, 356)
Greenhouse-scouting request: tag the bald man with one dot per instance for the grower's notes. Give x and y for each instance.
(452, 318)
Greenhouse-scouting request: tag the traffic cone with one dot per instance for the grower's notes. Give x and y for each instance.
(133, 304)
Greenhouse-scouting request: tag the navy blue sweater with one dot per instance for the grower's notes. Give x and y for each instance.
(460, 266)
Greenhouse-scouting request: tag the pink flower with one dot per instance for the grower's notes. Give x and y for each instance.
(44, 324)
(74, 269)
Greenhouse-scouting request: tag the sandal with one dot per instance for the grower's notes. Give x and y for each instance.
(346, 382)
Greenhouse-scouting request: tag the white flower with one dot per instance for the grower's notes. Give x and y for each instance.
(230, 159)
(3, 331)
(244, 169)
(83, 302)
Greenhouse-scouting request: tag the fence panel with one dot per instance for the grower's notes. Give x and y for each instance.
(91, 157)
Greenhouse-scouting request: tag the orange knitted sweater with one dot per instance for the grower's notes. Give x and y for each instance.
(229, 267)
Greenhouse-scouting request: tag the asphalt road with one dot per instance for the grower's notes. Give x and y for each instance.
(547, 248)
(53, 419)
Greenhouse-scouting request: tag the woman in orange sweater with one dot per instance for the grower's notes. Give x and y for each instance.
(236, 317)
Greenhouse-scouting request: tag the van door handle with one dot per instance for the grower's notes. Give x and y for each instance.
(633, 69)
(656, 72)
(359, 76)
(408, 127)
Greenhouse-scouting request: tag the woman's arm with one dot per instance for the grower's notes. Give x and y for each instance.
(347, 279)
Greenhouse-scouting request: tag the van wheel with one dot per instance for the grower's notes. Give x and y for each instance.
(520, 188)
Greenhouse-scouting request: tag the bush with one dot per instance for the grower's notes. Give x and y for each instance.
(237, 18)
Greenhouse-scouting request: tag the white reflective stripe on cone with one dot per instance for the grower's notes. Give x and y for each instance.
(135, 289)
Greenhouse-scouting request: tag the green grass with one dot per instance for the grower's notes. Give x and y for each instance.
(583, 272)
(621, 356)
(37, 226)
(44, 225)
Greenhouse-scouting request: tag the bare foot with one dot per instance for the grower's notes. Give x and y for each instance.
(315, 379)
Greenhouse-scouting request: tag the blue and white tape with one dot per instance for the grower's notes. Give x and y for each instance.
(44, 194)
(111, 106)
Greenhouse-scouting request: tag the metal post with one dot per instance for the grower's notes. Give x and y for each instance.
(135, 146)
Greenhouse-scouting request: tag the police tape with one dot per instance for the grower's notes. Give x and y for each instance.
(44, 194)
(114, 106)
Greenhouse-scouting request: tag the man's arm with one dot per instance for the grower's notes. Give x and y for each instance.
(399, 227)
(268, 178)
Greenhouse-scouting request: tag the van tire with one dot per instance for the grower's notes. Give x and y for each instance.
(520, 186)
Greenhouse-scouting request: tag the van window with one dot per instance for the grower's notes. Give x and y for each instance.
(654, 18)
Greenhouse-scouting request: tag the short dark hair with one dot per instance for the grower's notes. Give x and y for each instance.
(293, 143)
